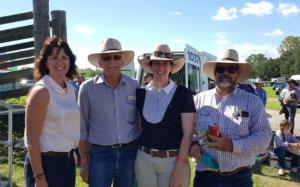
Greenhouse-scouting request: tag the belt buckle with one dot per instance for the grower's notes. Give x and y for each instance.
(116, 146)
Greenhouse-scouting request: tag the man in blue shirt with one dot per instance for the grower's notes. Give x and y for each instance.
(240, 125)
(108, 120)
(260, 92)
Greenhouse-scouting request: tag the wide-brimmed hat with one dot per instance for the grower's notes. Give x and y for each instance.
(111, 45)
(258, 81)
(161, 52)
(293, 81)
(228, 56)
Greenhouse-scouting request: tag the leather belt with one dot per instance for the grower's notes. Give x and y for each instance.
(116, 146)
(58, 154)
(237, 170)
(159, 153)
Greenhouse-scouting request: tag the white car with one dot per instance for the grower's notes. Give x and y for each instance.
(27, 82)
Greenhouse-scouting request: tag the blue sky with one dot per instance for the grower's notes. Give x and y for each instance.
(248, 26)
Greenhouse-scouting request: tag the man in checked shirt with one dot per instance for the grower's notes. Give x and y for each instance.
(243, 125)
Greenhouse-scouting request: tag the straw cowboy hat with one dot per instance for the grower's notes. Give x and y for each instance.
(161, 52)
(228, 56)
(258, 81)
(111, 45)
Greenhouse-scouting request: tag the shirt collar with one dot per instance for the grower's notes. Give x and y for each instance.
(101, 79)
(233, 93)
(167, 89)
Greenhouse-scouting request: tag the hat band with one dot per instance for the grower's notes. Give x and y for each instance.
(111, 50)
(231, 59)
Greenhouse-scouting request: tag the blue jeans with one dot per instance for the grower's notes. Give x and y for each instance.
(59, 172)
(281, 152)
(290, 113)
(109, 165)
(209, 179)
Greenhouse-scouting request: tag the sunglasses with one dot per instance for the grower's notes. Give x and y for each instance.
(163, 55)
(107, 58)
(229, 69)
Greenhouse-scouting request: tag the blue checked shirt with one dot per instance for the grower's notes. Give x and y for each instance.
(242, 117)
(107, 115)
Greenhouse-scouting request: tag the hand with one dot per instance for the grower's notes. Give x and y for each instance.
(223, 143)
(177, 176)
(41, 182)
(195, 151)
(84, 172)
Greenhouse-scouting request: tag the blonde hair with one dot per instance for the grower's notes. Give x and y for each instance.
(285, 124)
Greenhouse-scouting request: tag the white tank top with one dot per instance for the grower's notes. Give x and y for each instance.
(61, 130)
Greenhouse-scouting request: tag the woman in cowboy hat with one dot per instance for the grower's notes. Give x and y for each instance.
(107, 105)
(166, 114)
(240, 120)
(259, 91)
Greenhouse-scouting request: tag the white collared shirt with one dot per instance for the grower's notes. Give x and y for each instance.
(157, 101)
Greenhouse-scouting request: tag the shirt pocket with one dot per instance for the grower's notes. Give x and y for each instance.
(130, 115)
(244, 127)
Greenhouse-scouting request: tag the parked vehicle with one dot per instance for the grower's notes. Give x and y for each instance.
(280, 86)
(26, 82)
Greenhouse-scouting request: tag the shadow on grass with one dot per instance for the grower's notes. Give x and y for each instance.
(261, 168)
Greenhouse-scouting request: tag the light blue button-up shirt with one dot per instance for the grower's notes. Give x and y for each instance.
(242, 117)
(108, 116)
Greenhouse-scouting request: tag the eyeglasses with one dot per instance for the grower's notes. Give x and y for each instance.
(163, 55)
(229, 69)
(107, 58)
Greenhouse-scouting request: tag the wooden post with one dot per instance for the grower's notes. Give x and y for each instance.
(58, 24)
(41, 23)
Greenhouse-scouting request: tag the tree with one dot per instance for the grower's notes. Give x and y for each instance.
(257, 61)
(88, 72)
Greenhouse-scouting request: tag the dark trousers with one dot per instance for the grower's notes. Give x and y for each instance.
(289, 114)
(210, 179)
(281, 152)
(59, 172)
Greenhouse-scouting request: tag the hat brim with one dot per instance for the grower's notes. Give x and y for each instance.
(245, 69)
(178, 63)
(128, 55)
(293, 81)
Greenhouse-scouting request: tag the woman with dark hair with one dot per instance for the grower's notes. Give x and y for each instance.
(52, 123)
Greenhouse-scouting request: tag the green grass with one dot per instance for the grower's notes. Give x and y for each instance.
(264, 176)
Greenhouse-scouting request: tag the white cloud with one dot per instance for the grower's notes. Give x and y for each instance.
(84, 29)
(275, 32)
(247, 49)
(175, 13)
(220, 39)
(225, 14)
(259, 9)
(178, 41)
(287, 9)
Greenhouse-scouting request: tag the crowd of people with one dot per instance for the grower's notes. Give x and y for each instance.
(127, 133)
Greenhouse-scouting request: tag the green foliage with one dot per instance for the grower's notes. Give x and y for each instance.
(88, 72)
(17, 101)
(286, 65)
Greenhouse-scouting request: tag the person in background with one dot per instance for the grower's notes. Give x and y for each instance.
(290, 101)
(108, 120)
(259, 91)
(283, 142)
(236, 121)
(49, 137)
(148, 77)
(166, 115)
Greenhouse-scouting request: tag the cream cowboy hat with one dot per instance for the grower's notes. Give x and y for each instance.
(161, 52)
(111, 45)
(259, 81)
(228, 56)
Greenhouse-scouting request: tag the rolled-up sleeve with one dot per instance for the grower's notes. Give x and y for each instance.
(84, 107)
